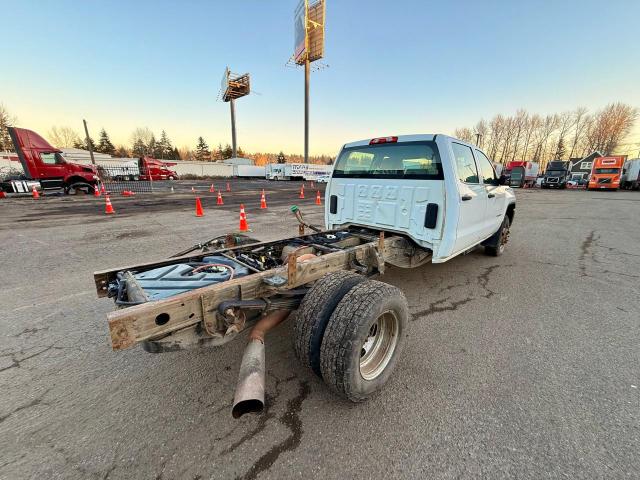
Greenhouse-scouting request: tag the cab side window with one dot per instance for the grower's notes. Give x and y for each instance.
(465, 164)
(486, 169)
(48, 158)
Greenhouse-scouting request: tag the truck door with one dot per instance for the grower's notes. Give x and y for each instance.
(473, 199)
(51, 169)
(496, 195)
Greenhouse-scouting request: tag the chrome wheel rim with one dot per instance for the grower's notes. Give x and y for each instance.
(377, 349)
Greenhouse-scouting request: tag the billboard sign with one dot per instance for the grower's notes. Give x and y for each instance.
(300, 32)
(234, 85)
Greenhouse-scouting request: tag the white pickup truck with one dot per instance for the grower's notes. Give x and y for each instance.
(401, 200)
(441, 192)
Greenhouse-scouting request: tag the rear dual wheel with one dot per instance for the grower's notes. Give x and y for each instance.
(362, 336)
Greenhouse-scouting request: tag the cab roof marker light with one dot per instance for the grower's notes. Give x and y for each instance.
(375, 141)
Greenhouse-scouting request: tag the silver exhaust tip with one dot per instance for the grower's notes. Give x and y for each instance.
(249, 395)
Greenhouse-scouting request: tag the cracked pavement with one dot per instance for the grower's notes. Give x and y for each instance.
(525, 365)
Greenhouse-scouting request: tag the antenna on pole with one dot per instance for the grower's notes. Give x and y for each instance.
(234, 86)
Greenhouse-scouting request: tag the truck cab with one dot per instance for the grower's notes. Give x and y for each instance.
(520, 174)
(556, 175)
(443, 193)
(152, 169)
(45, 164)
(606, 173)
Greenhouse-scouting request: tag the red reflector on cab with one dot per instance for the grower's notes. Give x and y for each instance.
(375, 141)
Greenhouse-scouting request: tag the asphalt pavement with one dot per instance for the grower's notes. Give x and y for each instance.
(521, 366)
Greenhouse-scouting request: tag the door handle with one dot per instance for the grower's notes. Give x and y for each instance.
(491, 195)
(466, 197)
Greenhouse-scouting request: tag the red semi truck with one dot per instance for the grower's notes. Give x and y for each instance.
(133, 169)
(520, 174)
(45, 168)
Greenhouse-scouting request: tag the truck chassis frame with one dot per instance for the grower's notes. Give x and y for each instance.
(215, 314)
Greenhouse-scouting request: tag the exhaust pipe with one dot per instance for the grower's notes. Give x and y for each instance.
(249, 395)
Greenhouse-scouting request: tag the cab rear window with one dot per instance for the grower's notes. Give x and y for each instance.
(406, 160)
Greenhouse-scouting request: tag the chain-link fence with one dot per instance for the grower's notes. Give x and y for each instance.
(132, 178)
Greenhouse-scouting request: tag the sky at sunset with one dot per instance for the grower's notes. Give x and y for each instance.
(393, 67)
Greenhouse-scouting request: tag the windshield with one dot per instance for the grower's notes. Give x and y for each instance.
(516, 173)
(607, 170)
(406, 160)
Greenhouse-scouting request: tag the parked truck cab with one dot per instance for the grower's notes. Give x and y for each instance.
(441, 192)
(45, 164)
(152, 169)
(556, 175)
(606, 172)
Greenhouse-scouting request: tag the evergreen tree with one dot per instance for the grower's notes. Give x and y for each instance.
(281, 157)
(202, 150)
(153, 148)
(227, 152)
(139, 148)
(175, 154)
(217, 154)
(105, 145)
(82, 144)
(164, 146)
(560, 149)
(240, 152)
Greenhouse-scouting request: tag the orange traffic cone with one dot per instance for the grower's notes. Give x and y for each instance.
(96, 191)
(35, 193)
(301, 191)
(318, 199)
(2, 194)
(193, 190)
(243, 220)
(228, 187)
(263, 200)
(103, 190)
(211, 189)
(108, 207)
(219, 201)
(199, 212)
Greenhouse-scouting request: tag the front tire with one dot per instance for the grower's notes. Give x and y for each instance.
(363, 340)
(501, 238)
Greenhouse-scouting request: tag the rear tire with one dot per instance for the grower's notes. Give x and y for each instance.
(363, 340)
(502, 237)
(314, 313)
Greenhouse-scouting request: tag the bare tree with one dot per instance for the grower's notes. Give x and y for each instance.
(481, 131)
(185, 153)
(541, 139)
(496, 127)
(142, 134)
(64, 137)
(580, 119)
(6, 120)
(565, 123)
(464, 134)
